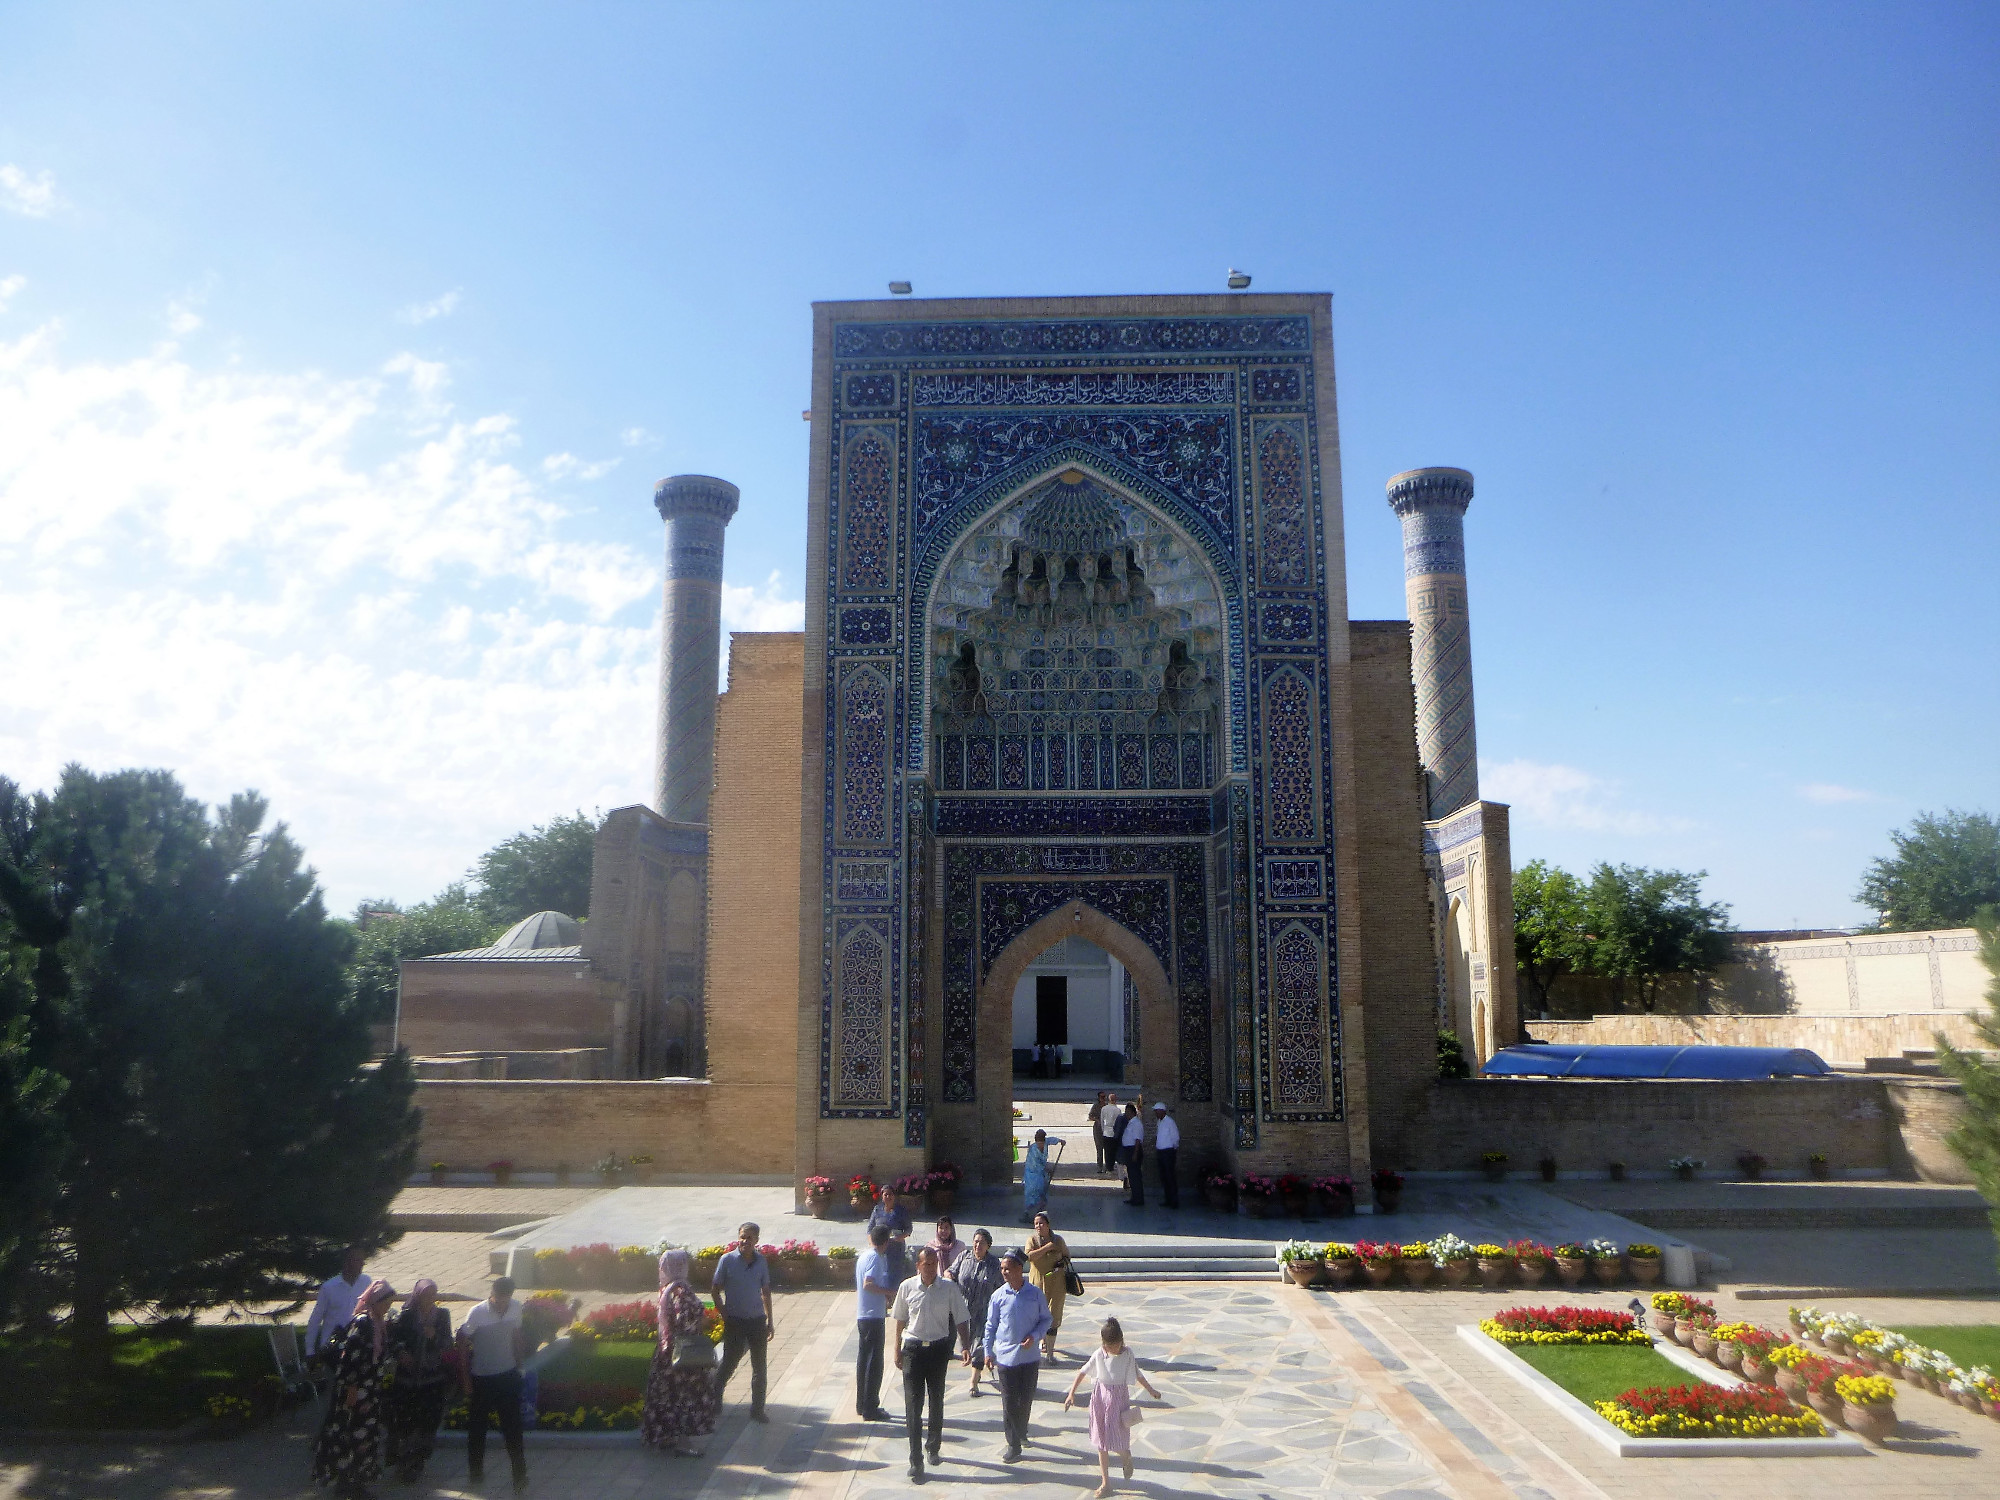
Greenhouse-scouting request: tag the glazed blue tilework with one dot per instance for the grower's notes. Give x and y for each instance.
(1210, 424)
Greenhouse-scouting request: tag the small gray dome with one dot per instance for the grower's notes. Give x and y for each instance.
(1073, 515)
(545, 929)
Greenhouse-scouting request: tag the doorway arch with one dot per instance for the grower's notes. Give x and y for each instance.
(1159, 1059)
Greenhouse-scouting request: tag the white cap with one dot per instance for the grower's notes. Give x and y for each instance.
(1160, 1107)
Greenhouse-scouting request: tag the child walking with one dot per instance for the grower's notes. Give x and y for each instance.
(1113, 1367)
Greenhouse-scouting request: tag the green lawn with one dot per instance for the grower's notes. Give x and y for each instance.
(157, 1380)
(1968, 1344)
(613, 1363)
(1598, 1372)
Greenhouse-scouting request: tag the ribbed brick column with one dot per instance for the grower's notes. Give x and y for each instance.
(696, 508)
(1431, 503)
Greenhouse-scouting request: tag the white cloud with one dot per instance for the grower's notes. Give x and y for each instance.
(1828, 792)
(424, 312)
(10, 288)
(746, 608)
(182, 318)
(635, 437)
(1558, 796)
(568, 466)
(332, 589)
(21, 193)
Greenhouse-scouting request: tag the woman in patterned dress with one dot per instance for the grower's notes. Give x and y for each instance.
(420, 1339)
(681, 1405)
(348, 1452)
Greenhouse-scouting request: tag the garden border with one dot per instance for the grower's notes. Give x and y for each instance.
(1624, 1445)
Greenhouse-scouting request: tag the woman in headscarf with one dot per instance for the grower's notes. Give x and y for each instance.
(420, 1340)
(348, 1452)
(948, 1245)
(681, 1404)
(1048, 1268)
(1035, 1176)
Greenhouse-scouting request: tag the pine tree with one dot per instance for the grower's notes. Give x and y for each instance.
(1977, 1140)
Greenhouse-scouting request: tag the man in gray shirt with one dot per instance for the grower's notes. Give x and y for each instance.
(930, 1312)
(742, 1289)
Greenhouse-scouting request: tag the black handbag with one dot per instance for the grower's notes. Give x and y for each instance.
(1072, 1283)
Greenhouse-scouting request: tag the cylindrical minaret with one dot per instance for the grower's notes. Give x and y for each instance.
(1432, 505)
(696, 508)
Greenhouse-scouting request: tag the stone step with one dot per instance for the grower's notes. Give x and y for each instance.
(1150, 1267)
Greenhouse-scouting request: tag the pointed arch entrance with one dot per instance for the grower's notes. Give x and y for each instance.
(983, 1138)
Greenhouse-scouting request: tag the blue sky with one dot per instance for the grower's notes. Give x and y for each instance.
(340, 347)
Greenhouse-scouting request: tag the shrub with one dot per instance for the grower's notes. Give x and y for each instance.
(546, 1314)
(1697, 1411)
(1563, 1325)
(861, 1182)
(1385, 1181)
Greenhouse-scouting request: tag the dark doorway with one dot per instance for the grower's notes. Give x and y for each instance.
(1052, 1010)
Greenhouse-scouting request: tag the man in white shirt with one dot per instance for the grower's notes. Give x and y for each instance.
(1105, 1128)
(930, 1313)
(1166, 1151)
(1132, 1145)
(335, 1308)
(493, 1347)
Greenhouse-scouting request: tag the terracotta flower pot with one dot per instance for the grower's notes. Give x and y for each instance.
(1455, 1272)
(1336, 1205)
(1791, 1385)
(1417, 1272)
(1645, 1269)
(1991, 1408)
(1829, 1406)
(1388, 1200)
(1663, 1323)
(1532, 1271)
(1305, 1272)
(1704, 1344)
(860, 1203)
(1221, 1200)
(1607, 1269)
(1729, 1357)
(1684, 1332)
(1872, 1423)
(1380, 1272)
(1340, 1270)
(1259, 1205)
(1755, 1369)
(819, 1204)
(1493, 1269)
(1570, 1269)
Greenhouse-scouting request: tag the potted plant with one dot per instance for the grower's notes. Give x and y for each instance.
(1260, 1196)
(641, 1163)
(706, 1259)
(1753, 1351)
(1572, 1263)
(1292, 1193)
(796, 1261)
(1818, 1165)
(1643, 1261)
(1339, 1261)
(1548, 1167)
(941, 1185)
(1868, 1405)
(1378, 1261)
(1336, 1196)
(1219, 1188)
(1531, 1259)
(229, 1415)
(1494, 1165)
(1453, 1258)
(1750, 1164)
(1786, 1363)
(862, 1191)
(819, 1196)
(611, 1167)
(1493, 1262)
(840, 1265)
(503, 1172)
(1615, 1170)
(1725, 1350)
(1301, 1259)
(1417, 1266)
(438, 1170)
(1696, 1330)
(1388, 1189)
(1605, 1262)
(1684, 1167)
(1665, 1305)
(1822, 1394)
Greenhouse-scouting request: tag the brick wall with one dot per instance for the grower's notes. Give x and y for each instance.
(1399, 984)
(1926, 1110)
(506, 1005)
(1837, 1038)
(1585, 1124)
(685, 1125)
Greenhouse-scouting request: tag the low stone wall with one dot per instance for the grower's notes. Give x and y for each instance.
(1926, 1110)
(685, 1125)
(1587, 1123)
(1836, 1037)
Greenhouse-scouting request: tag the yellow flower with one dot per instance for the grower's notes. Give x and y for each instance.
(1866, 1390)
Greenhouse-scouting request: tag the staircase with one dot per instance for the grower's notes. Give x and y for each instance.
(1154, 1259)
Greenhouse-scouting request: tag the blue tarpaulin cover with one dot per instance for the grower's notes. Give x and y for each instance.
(1569, 1060)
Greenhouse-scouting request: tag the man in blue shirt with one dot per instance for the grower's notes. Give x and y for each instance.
(1016, 1319)
(872, 1288)
(892, 1216)
(742, 1289)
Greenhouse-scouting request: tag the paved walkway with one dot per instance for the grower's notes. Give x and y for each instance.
(1269, 1391)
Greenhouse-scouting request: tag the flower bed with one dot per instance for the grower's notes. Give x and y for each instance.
(1708, 1411)
(1563, 1325)
(597, 1268)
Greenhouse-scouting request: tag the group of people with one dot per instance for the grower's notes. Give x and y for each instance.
(1001, 1313)
(1121, 1142)
(391, 1374)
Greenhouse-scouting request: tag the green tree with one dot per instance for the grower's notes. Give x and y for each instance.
(1945, 868)
(1977, 1140)
(1551, 935)
(449, 922)
(544, 869)
(1648, 924)
(30, 1139)
(223, 1135)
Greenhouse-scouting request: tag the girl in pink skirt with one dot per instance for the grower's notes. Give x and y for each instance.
(1113, 1368)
